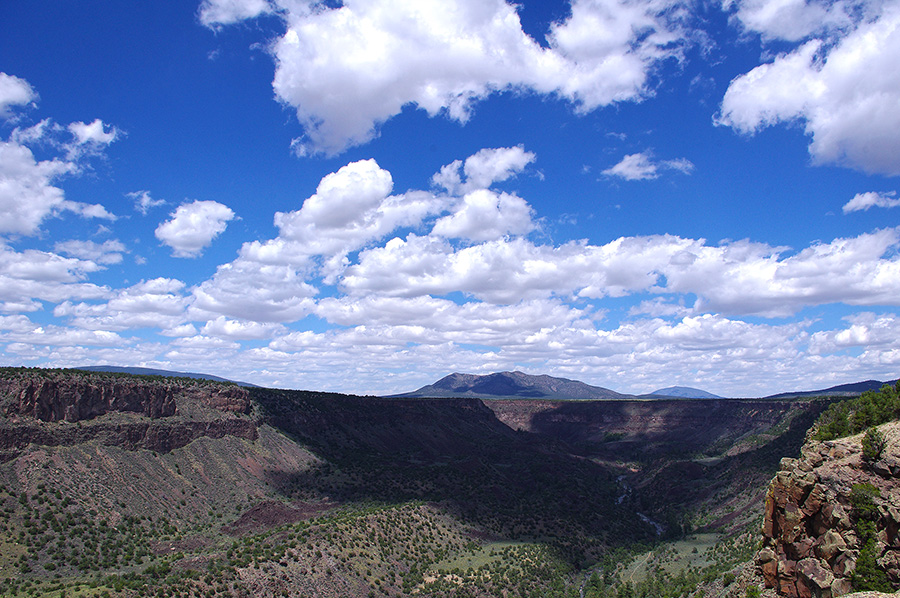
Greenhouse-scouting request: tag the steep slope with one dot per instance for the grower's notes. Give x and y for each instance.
(692, 463)
(512, 385)
(457, 453)
(116, 410)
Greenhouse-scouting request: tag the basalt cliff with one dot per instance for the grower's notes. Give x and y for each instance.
(832, 519)
(53, 408)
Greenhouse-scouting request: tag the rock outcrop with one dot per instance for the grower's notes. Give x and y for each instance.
(67, 397)
(159, 414)
(812, 534)
(158, 436)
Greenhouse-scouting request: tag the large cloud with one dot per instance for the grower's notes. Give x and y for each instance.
(846, 93)
(736, 278)
(30, 276)
(251, 290)
(867, 330)
(484, 215)
(794, 20)
(361, 284)
(350, 208)
(346, 70)
(158, 303)
(28, 194)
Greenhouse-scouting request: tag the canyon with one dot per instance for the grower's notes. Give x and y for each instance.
(333, 495)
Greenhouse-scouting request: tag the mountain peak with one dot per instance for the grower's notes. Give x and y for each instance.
(513, 384)
(685, 392)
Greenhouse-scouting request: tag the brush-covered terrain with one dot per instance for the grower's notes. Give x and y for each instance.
(122, 485)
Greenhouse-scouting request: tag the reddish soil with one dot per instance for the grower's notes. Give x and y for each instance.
(272, 513)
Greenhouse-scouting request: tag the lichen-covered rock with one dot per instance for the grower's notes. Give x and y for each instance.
(815, 577)
(811, 544)
(829, 545)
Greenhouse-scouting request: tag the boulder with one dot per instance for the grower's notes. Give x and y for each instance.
(841, 586)
(816, 577)
(844, 563)
(830, 545)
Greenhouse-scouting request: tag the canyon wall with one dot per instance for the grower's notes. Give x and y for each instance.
(57, 396)
(64, 408)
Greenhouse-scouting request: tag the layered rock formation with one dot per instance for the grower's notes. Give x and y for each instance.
(61, 396)
(813, 541)
(38, 406)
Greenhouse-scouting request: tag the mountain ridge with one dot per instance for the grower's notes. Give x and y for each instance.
(519, 385)
(852, 388)
(513, 384)
(141, 371)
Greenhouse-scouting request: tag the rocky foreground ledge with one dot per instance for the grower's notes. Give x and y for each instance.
(812, 535)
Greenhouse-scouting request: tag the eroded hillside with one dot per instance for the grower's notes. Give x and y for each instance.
(139, 486)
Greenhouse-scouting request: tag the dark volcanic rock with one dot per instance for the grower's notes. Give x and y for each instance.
(811, 544)
(39, 407)
(66, 397)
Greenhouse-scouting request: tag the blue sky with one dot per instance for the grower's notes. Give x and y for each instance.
(369, 195)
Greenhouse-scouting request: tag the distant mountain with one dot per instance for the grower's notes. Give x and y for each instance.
(508, 385)
(153, 372)
(685, 392)
(852, 389)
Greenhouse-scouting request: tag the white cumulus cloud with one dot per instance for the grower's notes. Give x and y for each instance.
(794, 20)
(157, 303)
(484, 215)
(350, 68)
(14, 92)
(845, 93)
(192, 227)
(872, 199)
(28, 191)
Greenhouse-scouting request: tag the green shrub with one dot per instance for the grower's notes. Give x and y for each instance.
(867, 575)
(862, 497)
(855, 415)
(873, 444)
